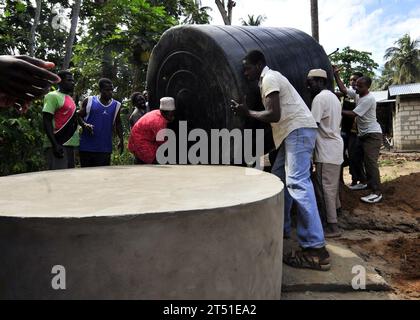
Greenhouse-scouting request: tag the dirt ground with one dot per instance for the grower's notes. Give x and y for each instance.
(387, 235)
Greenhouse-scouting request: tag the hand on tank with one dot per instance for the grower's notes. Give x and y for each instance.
(239, 108)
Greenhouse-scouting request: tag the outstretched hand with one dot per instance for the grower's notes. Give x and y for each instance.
(239, 108)
(23, 79)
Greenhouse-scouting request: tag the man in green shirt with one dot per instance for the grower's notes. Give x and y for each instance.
(60, 124)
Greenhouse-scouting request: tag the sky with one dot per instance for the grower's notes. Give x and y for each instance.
(365, 25)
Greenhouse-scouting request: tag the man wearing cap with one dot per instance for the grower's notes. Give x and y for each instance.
(294, 134)
(328, 157)
(142, 141)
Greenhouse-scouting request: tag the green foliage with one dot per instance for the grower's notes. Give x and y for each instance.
(384, 81)
(15, 28)
(21, 141)
(186, 11)
(126, 158)
(253, 21)
(117, 46)
(403, 60)
(194, 13)
(114, 39)
(351, 60)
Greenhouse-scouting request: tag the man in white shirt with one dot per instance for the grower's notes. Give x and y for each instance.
(350, 135)
(370, 134)
(294, 134)
(328, 157)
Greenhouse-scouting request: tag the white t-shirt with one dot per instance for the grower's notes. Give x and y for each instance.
(352, 94)
(294, 112)
(326, 109)
(366, 116)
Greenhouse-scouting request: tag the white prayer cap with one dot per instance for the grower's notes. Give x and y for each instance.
(317, 73)
(167, 104)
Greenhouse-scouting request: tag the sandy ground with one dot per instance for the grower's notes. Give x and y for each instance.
(387, 235)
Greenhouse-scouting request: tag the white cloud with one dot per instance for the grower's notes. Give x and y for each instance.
(342, 22)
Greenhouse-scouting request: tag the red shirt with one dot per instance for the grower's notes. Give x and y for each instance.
(142, 141)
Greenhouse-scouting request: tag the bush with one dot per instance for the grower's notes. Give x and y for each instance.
(21, 140)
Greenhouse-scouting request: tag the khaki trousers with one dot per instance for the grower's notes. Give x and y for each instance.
(327, 183)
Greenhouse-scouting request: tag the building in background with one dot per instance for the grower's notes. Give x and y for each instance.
(406, 116)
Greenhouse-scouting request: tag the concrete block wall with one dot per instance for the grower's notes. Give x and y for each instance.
(406, 124)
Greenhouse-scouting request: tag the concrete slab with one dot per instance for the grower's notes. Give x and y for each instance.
(338, 279)
(132, 190)
(142, 232)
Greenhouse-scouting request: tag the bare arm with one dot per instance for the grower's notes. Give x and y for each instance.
(119, 128)
(348, 113)
(81, 114)
(272, 113)
(340, 83)
(47, 119)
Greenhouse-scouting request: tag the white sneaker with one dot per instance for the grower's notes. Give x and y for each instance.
(372, 198)
(358, 187)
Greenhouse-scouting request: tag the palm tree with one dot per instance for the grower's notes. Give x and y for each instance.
(314, 19)
(254, 21)
(195, 13)
(404, 59)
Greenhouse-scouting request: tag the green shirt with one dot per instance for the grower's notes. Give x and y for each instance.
(61, 106)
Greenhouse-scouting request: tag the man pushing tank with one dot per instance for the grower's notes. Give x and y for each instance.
(294, 133)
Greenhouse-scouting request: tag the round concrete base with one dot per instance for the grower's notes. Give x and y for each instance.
(141, 232)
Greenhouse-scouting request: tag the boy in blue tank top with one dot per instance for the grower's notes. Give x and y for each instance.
(97, 117)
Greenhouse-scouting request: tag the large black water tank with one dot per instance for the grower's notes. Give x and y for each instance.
(201, 67)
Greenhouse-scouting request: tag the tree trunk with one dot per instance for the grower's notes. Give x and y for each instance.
(107, 66)
(314, 19)
(72, 34)
(33, 28)
(226, 14)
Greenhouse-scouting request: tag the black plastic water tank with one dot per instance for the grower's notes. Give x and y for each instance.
(201, 67)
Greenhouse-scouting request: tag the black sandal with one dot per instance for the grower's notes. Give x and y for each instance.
(307, 259)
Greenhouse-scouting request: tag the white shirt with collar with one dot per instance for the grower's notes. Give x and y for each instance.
(326, 109)
(294, 112)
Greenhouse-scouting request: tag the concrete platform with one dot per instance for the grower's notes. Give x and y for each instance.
(337, 280)
(142, 232)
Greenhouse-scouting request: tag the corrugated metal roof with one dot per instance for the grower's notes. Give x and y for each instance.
(404, 89)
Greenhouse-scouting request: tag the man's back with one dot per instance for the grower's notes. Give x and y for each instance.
(142, 141)
(294, 112)
(326, 109)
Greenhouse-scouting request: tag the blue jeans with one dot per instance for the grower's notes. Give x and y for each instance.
(292, 166)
